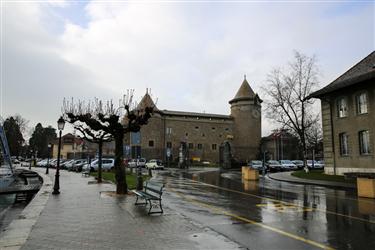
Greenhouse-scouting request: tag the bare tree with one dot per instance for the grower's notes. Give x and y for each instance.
(97, 137)
(289, 90)
(100, 117)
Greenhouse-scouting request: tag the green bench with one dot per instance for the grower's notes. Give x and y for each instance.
(151, 194)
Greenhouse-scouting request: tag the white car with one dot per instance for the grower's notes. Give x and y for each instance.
(154, 164)
(287, 165)
(314, 164)
(133, 163)
(256, 164)
(107, 164)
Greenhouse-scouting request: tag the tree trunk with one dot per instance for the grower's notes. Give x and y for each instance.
(121, 185)
(100, 153)
(304, 152)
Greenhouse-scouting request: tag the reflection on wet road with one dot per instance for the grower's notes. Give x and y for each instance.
(270, 214)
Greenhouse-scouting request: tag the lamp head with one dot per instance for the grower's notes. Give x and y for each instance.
(60, 123)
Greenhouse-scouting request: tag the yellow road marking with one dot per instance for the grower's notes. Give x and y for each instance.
(284, 202)
(276, 230)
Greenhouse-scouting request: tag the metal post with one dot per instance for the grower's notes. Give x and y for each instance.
(139, 176)
(49, 152)
(56, 187)
(31, 159)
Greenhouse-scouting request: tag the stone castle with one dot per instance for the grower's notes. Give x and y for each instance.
(200, 136)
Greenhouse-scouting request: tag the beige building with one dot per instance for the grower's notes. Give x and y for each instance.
(73, 147)
(200, 135)
(348, 115)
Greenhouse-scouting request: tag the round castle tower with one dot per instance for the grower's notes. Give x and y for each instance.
(246, 112)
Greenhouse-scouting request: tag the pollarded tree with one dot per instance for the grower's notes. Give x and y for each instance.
(289, 103)
(93, 136)
(98, 116)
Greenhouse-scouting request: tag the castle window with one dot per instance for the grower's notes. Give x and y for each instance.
(196, 127)
(169, 144)
(226, 129)
(203, 135)
(168, 131)
(200, 146)
(213, 128)
(191, 145)
(342, 107)
(344, 149)
(151, 144)
(361, 101)
(364, 142)
(186, 134)
(214, 146)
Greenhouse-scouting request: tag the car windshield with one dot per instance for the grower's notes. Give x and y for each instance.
(256, 162)
(273, 162)
(286, 162)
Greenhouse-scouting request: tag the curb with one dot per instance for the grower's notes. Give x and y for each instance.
(17, 232)
(328, 184)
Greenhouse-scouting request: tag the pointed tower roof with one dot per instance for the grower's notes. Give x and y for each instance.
(245, 92)
(147, 102)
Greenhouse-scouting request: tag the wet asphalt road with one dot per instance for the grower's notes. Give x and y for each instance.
(270, 214)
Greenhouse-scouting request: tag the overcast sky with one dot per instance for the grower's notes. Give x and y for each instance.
(193, 55)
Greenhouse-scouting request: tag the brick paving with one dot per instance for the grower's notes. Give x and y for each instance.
(84, 216)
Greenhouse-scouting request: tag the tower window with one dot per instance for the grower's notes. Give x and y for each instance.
(226, 129)
(151, 144)
(214, 146)
(213, 128)
(196, 127)
(203, 135)
(200, 146)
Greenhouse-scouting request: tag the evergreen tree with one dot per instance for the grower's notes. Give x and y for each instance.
(40, 138)
(14, 136)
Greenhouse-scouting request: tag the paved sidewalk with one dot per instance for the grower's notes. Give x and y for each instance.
(87, 216)
(286, 176)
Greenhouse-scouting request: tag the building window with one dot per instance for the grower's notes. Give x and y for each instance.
(196, 127)
(168, 131)
(151, 143)
(191, 145)
(344, 149)
(186, 134)
(226, 129)
(203, 135)
(342, 107)
(364, 142)
(199, 146)
(214, 146)
(169, 144)
(361, 101)
(213, 128)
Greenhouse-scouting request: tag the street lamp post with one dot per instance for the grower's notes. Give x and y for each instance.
(49, 152)
(56, 187)
(31, 158)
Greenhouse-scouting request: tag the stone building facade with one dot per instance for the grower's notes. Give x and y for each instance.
(201, 135)
(348, 116)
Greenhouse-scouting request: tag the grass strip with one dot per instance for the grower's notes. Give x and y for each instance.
(320, 175)
(131, 178)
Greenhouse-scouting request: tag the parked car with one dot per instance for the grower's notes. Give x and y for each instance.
(287, 165)
(298, 163)
(141, 162)
(273, 165)
(155, 164)
(107, 165)
(256, 164)
(314, 164)
(42, 163)
(78, 164)
(66, 163)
